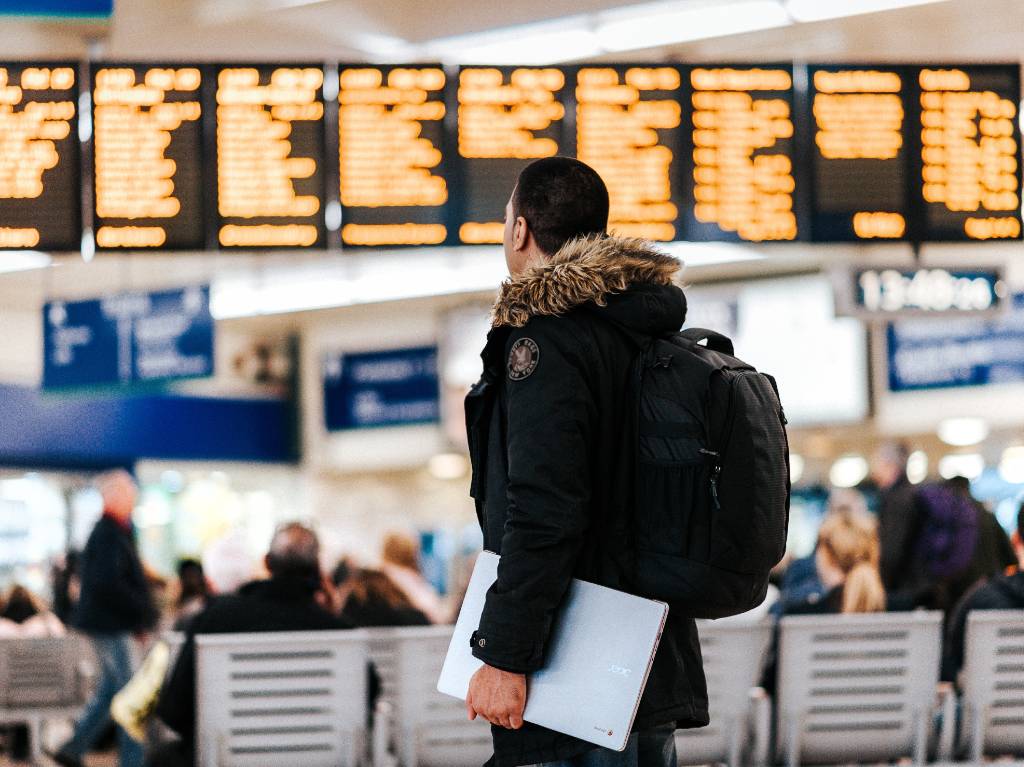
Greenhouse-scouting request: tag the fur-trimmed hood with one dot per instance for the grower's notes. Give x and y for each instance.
(584, 270)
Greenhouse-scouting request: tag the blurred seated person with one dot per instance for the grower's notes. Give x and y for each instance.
(901, 519)
(24, 616)
(228, 563)
(192, 594)
(296, 597)
(400, 559)
(370, 598)
(846, 559)
(1003, 592)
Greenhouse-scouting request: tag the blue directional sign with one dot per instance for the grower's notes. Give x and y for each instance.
(937, 354)
(128, 338)
(93, 9)
(398, 387)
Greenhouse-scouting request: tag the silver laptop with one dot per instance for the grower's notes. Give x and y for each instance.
(598, 657)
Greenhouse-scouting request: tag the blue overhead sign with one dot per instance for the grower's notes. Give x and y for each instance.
(91, 9)
(128, 338)
(937, 354)
(388, 388)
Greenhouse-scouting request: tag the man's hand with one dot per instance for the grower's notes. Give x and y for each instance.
(498, 696)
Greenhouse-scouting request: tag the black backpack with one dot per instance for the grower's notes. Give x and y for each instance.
(712, 476)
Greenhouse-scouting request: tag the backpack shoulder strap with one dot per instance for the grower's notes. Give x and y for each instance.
(716, 342)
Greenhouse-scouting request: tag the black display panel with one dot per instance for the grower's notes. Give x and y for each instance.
(861, 124)
(969, 171)
(629, 127)
(739, 174)
(270, 186)
(508, 117)
(40, 163)
(392, 168)
(148, 157)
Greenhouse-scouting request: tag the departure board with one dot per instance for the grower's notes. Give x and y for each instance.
(742, 182)
(970, 176)
(508, 117)
(270, 155)
(859, 122)
(147, 157)
(40, 198)
(392, 168)
(628, 128)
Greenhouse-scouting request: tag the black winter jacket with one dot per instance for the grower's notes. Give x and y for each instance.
(552, 466)
(1004, 592)
(115, 597)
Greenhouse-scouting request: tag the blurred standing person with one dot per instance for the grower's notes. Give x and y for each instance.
(900, 521)
(993, 552)
(401, 563)
(65, 586)
(115, 603)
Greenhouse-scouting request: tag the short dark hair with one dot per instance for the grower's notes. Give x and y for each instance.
(561, 198)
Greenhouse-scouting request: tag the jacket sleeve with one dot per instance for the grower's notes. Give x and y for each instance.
(550, 431)
(119, 580)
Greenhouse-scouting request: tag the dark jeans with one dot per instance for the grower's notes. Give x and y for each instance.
(650, 748)
(114, 655)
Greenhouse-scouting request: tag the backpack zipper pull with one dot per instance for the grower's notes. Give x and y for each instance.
(716, 470)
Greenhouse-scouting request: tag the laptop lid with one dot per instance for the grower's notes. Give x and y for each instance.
(599, 654)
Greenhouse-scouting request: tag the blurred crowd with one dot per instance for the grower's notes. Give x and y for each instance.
(929, 546)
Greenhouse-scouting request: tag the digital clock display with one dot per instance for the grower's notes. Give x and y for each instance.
(928, 291)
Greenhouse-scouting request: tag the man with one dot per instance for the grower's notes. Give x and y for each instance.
(900, 521)
(552, 458)
(296, 597)
(114, 603)
(1004, 592)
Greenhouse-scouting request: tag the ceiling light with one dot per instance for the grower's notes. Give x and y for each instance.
(23, 260)
(1011, 466)
(818, 10)
(969, 465)
(848, 471)
(448, 466)
(961, 432)
(543, 43)
(666, 23)
(917, 467)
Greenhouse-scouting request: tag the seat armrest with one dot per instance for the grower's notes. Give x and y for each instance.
(761, 724)
(946, 702)
(381, 736)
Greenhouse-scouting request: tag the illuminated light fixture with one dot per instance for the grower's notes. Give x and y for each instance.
(961, 432)
(848, 470)
(917, 467)
(1011, 465)
(819, 10)
(656, 24)
(23, 260)
(541, 43)
(796, 467)
(969, 465)
(448, 466)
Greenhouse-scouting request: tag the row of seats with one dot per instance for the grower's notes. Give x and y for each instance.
(851, 689)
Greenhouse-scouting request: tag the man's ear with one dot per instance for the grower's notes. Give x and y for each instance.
(520, 233)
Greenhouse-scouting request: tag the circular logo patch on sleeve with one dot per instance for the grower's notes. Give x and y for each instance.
(523, 359)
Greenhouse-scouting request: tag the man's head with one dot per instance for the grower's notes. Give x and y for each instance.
(119, 492)
(555, 200)
(889, 464)
(294, 550)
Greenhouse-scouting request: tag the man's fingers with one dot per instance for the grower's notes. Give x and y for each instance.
(470, 712)
(516, 720)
